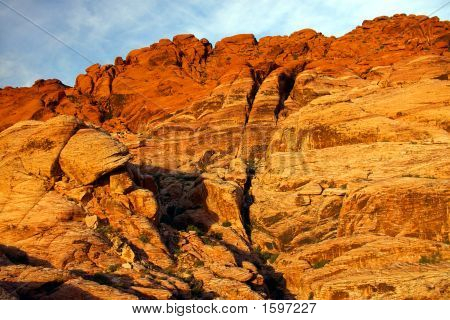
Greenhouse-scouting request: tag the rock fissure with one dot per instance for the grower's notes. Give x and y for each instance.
(146, 209)
(247, 201)
(286, 82)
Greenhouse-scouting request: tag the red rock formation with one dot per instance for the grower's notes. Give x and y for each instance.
(321, 159)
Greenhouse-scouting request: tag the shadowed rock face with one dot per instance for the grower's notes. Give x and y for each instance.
(298, 166)
(79, 221)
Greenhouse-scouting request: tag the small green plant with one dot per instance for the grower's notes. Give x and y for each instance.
(273, 257)
(177, 251)
(207, 241)
(144, 238)
(196, 287)
(113, 268)
(251, 165)
(266, 256)
(217, 235)
(320, 264)
(195, 229)
(104, 229)
(171, 271)
(199, 263)
(434, 258)
(269, 245)
(410, 175)
(226, 224)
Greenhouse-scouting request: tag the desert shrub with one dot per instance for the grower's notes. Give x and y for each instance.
(199, 263)
(144, 238)
(177, 251)
(195, 229)
(266, 256)
(196, 287)
(434, 258)
(320, 264)
(251, 165)
(207, 241)
(217, 235)
(226, 224)
(273, 257)
(113, 268)
(104, 230)
(269, 245)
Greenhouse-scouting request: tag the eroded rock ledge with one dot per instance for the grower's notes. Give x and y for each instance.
(302, 166)
(78, 220)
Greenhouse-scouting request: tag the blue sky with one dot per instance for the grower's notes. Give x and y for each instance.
(103, 29)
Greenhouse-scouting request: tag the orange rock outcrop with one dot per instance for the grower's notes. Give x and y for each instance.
(298, 166)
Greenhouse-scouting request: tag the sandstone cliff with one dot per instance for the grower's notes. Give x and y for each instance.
(299, 166)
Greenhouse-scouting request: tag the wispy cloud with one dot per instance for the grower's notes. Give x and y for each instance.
(103, 29)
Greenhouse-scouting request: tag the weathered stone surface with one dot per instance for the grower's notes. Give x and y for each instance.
(35, 146)
(51, 225)
(311, 189)
(120, 183)
(368, 267)
(144, 203)
(298, 166)
(31, 282)
(234, 273)
(225, 288)
(91, 221)
(224, 199)
(334, 192)
(413, 207)
(80, 162)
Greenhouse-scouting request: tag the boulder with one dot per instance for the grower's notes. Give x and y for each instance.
(223, 198)
(31, 282)
(120, 183)
(37, 145)
(144, 203)
(90, 154)
(91, 221)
